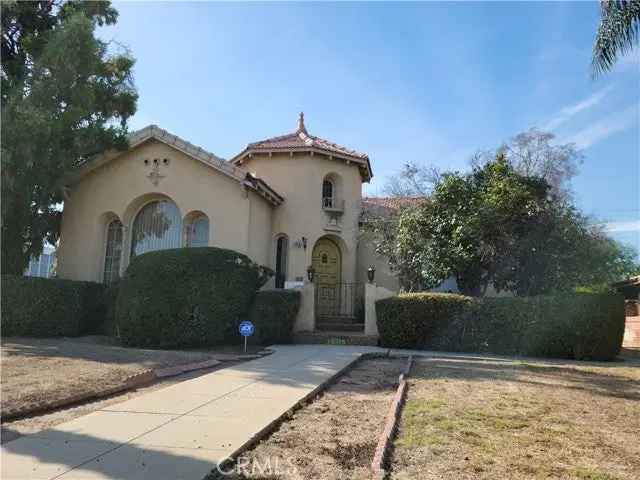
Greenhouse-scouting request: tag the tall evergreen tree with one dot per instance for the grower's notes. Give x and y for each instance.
(65, 97)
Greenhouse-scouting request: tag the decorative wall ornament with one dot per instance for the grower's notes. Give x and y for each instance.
(155, 176)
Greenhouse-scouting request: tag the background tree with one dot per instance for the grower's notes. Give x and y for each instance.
(495, 226)
(617, 34)
(532, 153)
(64, 99)
(414, 180)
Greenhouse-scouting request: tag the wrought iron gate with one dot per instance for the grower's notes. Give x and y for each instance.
(340, 300)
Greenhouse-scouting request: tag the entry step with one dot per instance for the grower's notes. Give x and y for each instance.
(335, 338)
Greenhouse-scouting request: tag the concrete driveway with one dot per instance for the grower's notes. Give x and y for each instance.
(182, 431)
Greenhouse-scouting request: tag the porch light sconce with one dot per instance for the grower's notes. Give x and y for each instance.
(371, 273)
(301, 243)
(311, 273)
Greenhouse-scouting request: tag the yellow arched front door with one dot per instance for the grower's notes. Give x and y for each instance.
(327, 263)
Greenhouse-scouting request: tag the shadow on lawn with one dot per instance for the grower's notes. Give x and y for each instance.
(477, 369)
(90, 454)
(85, 349)
(85, 456)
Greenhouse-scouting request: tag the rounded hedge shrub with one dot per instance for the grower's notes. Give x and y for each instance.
(47, 307)
(186, 297)
(409, 320)
(573, 325)
(273, 314)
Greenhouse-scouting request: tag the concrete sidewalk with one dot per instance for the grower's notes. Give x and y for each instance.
(182, 431)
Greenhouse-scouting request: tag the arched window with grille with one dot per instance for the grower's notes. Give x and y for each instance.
(328, 193)
(157, 226)
(197, 231)
(113, 251)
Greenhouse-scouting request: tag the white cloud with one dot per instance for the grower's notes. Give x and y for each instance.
(622, 226)
(570, 111)
(602, 129)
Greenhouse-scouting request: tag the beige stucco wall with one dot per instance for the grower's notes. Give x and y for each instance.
(238, 219)
(367, 257)
(299, 179)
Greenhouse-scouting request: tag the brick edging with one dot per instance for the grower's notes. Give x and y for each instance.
(180, 369)
(391, 423)
(132, 381)
(137, 380)
(273, 425)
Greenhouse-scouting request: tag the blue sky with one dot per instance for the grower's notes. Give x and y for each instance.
(428, 82)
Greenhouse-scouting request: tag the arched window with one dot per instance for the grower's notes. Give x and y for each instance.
(157, 226)
(113, 251)
(198, 231)
(282, 250)
(327, 194)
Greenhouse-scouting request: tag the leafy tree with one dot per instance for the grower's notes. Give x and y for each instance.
(64, 98)
(617, 34)
(532, 153)
(495, 226)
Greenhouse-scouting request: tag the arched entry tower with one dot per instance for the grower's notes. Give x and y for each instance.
(337, 302)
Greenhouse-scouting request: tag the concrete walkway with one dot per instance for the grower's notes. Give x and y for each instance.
(182, 431)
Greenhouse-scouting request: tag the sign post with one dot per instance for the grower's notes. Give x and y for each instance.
(246, 329)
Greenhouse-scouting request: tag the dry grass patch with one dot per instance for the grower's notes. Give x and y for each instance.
(335, 436)
(486, 419)
(47, 370)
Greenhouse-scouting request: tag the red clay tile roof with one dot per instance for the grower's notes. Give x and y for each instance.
(301, 140)
(393, 203)
(385, 207)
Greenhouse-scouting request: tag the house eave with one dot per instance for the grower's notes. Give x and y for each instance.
(153, 132)
(362, 162)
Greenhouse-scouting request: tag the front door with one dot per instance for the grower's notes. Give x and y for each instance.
(327, 263)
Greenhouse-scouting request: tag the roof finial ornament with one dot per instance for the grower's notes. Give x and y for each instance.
(301, 127)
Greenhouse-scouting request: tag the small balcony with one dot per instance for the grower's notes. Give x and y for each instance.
(332, 205)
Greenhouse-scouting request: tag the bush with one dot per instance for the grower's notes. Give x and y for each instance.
(274, 313)
(108, 326)
(185, 297)
(578, 326)
(409, 320)
(45, 307)
(94, 308)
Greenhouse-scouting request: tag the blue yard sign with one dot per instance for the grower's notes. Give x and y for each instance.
(246, 329)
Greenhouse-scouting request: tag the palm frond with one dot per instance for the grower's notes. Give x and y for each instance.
(618, 33)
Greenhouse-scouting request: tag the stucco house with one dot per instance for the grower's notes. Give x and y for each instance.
(290, 202)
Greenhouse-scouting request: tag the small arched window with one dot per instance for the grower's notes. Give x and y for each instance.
(198, 232)
(157, 226)
(327, 194)
(113, 252)
(282, 251)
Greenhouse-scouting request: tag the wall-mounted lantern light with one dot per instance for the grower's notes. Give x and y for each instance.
(311, 273)
(371, 273)
(301, 243)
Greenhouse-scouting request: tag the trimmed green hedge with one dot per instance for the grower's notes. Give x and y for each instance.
(45, 307)
(274, 313)
(108, 326)
(408, 320)
(578, 326)
(186, 297)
